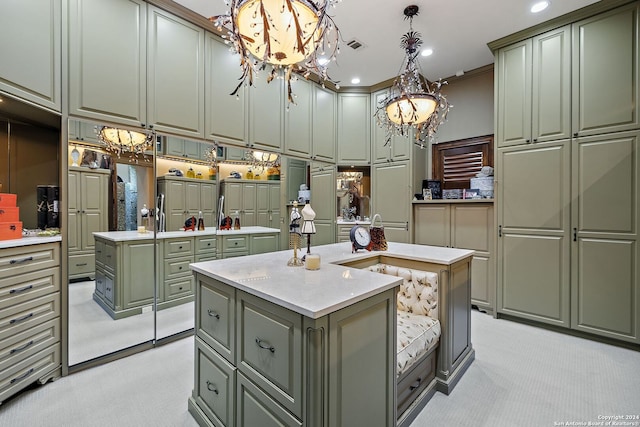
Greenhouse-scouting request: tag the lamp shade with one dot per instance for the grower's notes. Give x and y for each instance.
(290, 32)
(411, 109)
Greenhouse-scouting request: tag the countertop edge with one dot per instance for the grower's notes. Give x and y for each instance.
(28, 241)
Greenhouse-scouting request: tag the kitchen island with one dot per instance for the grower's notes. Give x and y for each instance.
(316, 348)
(125, 273)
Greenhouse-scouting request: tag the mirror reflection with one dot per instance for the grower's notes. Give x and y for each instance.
(111, 261)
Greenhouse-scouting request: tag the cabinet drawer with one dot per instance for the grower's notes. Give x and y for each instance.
(235, 243)
(206, 244)
(15, 290)
(270, 349)
(109, 289)
(206, 257)
(82, 264)
(215, 316)
(21, 317)
(215, 385)
(110, 256)
(15, 261)
(415, 381)
(99, 251)
(28, 370)
(178, 247)
(179, 288)
(100, 282)
(175, 268)
(254, 407)
(20, 346)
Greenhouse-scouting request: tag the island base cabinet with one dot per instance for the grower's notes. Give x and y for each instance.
(256, 408)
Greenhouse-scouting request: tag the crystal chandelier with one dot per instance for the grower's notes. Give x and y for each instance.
(123, 141)
(412, 103)
(289, 35)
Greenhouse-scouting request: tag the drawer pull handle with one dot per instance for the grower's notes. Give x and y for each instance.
(265, 345)
(212, 387)
(15, 291)
(82, 264)
(213, 314)
(416, 384)
(20, 261)
(22, 347)
(20, 319)
(109, 289)
(21, 377)
(180, 247)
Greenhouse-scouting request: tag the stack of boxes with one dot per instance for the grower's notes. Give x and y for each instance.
(10, 224)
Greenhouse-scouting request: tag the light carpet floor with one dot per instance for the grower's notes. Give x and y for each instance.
(522, 376)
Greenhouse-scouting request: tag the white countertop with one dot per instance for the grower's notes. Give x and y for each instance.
(436, 201)
(361, 222)
(26, 241)
(122, 236)
(317, 293)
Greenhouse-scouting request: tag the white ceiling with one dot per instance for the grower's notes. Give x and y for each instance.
(457, 30)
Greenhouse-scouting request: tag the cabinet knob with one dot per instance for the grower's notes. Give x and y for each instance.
(527, 141)
(575, 135)
(535, 139)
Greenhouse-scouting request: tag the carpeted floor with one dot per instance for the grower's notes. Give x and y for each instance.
(522, 376)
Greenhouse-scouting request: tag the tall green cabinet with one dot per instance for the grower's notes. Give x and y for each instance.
(567, 175)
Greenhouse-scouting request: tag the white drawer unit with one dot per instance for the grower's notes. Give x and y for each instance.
(29, 316)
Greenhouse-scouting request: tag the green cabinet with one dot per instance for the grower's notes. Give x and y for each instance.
(276, 367)
(605, 291)
(323, 201)
(310, 125)
(175, 101)
(268, 204)
(186, 197)
(108, 75)
(184, 148)
(533, 219)
(226, 118)
(605, 73)
(354, 130)
(266, 111)
(31, 54)
(87, 213)
(567, 209)
(391, 195)
(464, 225)
(533, 89)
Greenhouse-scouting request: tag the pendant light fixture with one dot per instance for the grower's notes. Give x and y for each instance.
(412, 103)
(128, 142)
(289, 35)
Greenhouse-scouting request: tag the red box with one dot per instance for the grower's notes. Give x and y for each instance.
(8, 200)
(10, 230)
(9, 214)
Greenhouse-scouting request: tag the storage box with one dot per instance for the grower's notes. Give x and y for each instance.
(9, 214)
(10, 230)
(8, 200)
(484, 183)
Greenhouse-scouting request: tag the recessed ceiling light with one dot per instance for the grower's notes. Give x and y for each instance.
(427, 52)
(539, 7)
(355, 80)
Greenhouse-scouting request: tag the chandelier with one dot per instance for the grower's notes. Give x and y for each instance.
(289, 35)
(412, 103)
(123, 141)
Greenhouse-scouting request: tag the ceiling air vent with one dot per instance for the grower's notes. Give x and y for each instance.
(355, 44)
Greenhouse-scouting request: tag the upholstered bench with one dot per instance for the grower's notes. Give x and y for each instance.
(418, 332)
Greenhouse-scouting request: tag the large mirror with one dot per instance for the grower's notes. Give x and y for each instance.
(111, 234)
(137, 221)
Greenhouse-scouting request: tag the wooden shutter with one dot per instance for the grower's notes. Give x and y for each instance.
(456, 162)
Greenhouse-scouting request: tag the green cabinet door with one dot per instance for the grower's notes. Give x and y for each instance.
(248, 217)
(138, 274)
(534, 231)
(208, 201)
(354, 131)
(192, 198)
(108, 75)
(266, 108)
(323, 202)
(605, 71)
(174, 203)
(391, 195)
(94, 212)
(226, 116)
(323, 125)
(432, 225)
(274, 206)
(263, 204)
(297, 120)
(514, 94)
(31, 53)
(551, 86)
(605, 291)
(74, 229)
(176, 75)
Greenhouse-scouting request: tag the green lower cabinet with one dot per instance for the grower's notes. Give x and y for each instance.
(256, 408)
(262, 243)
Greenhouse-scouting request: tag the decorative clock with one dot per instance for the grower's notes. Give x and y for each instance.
(360, 238)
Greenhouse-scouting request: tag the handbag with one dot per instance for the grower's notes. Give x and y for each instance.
(378, 240)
